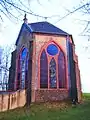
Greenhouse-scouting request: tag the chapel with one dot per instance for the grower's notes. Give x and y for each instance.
(45, 64)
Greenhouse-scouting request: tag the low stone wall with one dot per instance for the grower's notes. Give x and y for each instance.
(43, 95)
(12, 100)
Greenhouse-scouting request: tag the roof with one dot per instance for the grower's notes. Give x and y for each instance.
(42, 27)
(45, 27)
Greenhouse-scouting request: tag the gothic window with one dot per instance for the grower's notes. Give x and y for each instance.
(52, 74)
(61, 70)
(24, 67)
(43, 70)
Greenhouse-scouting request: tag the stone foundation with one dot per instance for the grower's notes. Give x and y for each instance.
(44, 95)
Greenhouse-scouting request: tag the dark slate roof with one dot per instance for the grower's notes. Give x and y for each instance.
(41, 27)
(45, 27)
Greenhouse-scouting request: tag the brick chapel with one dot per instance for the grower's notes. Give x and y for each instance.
(44, 63)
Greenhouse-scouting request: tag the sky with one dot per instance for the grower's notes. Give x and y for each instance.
(71, 24)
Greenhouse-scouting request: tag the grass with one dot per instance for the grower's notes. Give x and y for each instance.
(86, 96)
(51, 111)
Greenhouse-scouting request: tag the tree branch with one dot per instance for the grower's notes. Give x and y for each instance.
(71, 12)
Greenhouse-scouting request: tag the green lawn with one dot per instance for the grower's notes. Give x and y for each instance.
(51, 111)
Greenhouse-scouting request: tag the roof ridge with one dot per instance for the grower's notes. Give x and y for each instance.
(38, 22)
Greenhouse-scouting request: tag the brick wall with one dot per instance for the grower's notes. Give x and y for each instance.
(41, 41)
(39, 95)
(12, 100)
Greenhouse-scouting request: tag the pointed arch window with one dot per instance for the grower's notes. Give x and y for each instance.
(43, 70)
(52, 68)
(61, 70)
(24, 67)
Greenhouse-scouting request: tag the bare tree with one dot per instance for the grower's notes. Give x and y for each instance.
(8, 8)
(5, 64)
(84, 9)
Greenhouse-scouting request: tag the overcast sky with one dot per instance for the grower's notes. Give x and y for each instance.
(9, 30)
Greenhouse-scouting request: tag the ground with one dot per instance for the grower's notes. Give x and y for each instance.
(51, 111)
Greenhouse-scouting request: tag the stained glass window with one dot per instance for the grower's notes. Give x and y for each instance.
(52, 49)
(24, 64)
(43, 70)
(24, 53)
(61, 70)
(52, 74)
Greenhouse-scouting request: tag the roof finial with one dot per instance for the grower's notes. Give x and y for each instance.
(45, 18)
(25, 19)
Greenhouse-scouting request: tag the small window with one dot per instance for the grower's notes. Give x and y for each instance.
(52, 49)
